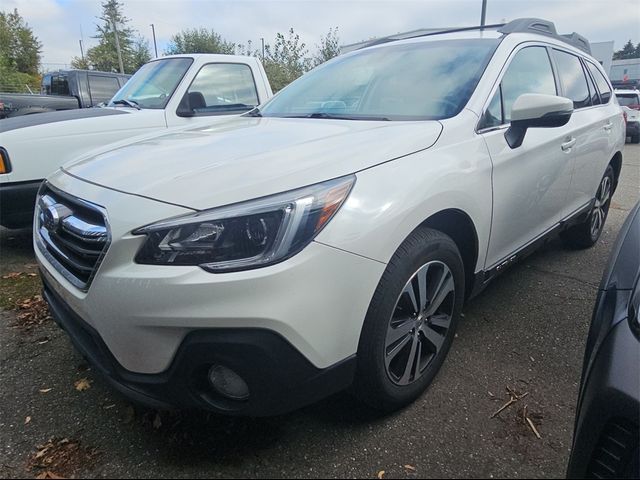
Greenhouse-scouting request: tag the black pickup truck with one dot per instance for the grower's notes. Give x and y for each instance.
(64, 90)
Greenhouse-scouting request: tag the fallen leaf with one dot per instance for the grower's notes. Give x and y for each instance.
(381, 474)
(11, 275)
(82, 385)
(410, 467)
(49, 474)
(27, 420)
(45, 390)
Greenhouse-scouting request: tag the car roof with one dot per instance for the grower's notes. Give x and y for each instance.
(624, 91)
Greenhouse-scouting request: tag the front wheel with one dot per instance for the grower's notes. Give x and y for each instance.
(411, 321)
(587, 233)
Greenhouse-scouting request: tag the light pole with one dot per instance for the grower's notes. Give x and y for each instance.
(115, 31)
(155, 46)
(483, 17)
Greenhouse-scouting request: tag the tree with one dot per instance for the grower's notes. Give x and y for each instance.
(19, 48)
(286, 60)
(104, 56)
(199, 40)
(628, 51)
(329, 47)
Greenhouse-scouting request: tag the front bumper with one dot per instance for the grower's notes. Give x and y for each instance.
(308, 312)
(280, 379)
(17, 203)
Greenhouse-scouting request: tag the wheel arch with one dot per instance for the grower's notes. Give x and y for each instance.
(616, 164)
(458, 225)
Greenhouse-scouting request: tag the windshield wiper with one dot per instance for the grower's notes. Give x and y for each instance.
(333, 116)
(128, 103)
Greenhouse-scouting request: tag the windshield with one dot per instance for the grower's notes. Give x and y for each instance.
(416, 81)
(627, 99)
(153, 85)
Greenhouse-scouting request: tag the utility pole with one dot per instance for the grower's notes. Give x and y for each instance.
(81, 51)
(483, 17)
(155, 46)
(262, 39)
(115, 31)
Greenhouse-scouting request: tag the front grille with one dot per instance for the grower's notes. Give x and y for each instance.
(72, 234)
(614, 453)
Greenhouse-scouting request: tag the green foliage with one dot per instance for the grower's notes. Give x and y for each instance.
(329, 47)
(286, 60)
(104, 56)
(199, 40)
(628, 51)
(19, 54)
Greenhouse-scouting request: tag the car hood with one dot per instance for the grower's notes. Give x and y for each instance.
(24, 121)
(248, 157)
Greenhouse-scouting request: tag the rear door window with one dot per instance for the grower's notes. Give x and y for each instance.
(573, 79)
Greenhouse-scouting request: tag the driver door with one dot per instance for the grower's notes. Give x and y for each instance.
(530, 182)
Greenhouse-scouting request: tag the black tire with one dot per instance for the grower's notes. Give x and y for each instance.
(373, 384)
(583, 235)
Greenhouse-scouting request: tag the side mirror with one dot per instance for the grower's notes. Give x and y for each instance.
(534, 110)
(184, 108)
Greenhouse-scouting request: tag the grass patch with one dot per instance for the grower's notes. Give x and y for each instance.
(14, 290)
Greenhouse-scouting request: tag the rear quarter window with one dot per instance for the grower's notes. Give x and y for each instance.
(601, 83)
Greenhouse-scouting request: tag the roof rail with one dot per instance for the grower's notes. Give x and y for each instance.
(545, 27)
(400, 36)
(519, 25)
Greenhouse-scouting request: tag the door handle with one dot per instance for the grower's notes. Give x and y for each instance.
(568, 145)
(608, 127)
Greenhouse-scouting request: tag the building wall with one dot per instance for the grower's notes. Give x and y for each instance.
(603, 52)
(625, 70)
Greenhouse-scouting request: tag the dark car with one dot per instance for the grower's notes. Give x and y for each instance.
(64, 90)
(605, 443)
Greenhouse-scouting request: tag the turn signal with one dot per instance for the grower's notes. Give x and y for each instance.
(5, 166)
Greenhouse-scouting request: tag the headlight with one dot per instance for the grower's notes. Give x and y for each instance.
(245, 235)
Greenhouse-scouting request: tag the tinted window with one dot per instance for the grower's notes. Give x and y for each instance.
(414, 81)
(59, 85)
(601, 83)
(102, 88)
(220, 87)
(529, 72)
(573, 79)
(153, 85)
(628, 99)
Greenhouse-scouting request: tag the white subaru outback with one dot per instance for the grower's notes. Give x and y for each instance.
(329, 238)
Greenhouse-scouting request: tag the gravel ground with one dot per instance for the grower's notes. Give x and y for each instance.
(526, 331)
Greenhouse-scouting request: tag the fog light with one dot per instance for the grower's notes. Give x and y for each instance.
(228, 383)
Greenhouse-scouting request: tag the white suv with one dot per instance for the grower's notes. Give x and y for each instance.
(329, 238)
(630, 102)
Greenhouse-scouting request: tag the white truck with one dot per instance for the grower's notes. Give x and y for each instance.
(170, 92)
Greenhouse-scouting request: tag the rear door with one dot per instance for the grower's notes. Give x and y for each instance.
(530, 183)
(590, 129)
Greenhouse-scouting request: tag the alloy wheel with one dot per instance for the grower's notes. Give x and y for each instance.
(419, 324)
(600, 207)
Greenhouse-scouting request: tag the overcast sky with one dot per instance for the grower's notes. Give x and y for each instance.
(59, 23)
